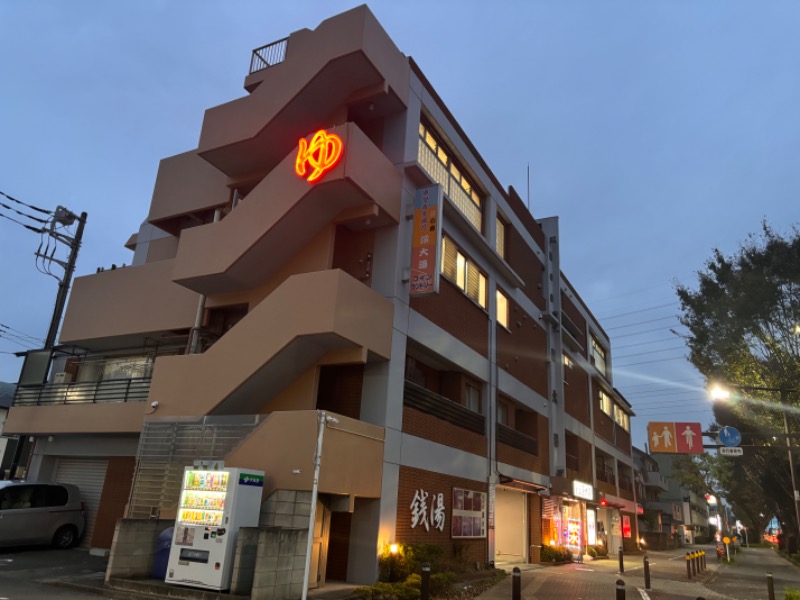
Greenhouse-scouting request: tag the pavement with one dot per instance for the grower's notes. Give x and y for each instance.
(39, 573)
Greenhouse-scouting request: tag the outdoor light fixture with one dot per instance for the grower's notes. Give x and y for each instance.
(393, 548)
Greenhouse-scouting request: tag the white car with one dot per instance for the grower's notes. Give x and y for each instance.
(40, 513)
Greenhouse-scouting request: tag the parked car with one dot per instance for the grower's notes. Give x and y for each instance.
(40, 513)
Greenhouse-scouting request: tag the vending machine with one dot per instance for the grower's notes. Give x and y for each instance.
(213, 505)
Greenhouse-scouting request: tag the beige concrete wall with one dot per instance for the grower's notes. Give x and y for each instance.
(352, 454)
(329, 309)
(283, 213)
(117, 417)
(136, 300)
(323, 69)
(185, 184)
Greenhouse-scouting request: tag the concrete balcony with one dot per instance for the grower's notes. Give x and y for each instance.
(124, 307)
(283, 447)
(284, 212)
(347, 63)
(307, 318)
(655, 479)
(78, 418)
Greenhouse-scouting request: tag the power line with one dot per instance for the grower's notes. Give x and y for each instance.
(681, 347)
(25, 225)
(639, 333)
(641, 323)
(36, 208)
(648, 362)
(633, 312)
(669, 339)
(22, 333)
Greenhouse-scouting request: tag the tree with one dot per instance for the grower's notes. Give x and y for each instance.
(743, 323)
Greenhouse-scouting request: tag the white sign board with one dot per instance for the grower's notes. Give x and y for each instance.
(725, 451)
(582, 490)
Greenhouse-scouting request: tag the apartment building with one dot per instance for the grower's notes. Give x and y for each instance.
(336, 272)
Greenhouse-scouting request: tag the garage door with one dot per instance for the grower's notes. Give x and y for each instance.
(89, 475)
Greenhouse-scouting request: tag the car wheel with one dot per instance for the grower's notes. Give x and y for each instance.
(65, 537)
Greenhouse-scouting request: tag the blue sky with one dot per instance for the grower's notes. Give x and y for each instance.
(656, 130)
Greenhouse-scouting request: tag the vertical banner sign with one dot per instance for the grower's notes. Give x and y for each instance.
(426, 241)
(626, 526)
(591, 527)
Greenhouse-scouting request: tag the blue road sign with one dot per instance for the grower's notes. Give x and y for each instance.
(730, 436)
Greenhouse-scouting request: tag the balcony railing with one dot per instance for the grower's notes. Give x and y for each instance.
(607, 475)
(573, 462)
(268, 56)
(516, 439)
(452, 189)
(417, 397)
(655, 479)
(111, 390)
(625, 483)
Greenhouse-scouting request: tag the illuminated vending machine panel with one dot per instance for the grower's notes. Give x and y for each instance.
(213, 505)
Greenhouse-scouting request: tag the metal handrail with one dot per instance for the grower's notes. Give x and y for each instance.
(268, 56)
(135, 389)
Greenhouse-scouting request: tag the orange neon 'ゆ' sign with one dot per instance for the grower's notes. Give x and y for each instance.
(321, 154)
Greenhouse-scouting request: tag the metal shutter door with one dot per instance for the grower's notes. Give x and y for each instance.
(89, 475)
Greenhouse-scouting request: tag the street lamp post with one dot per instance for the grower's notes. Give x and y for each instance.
(719, 393)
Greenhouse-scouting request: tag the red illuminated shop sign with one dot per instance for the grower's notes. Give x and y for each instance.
(319, 155)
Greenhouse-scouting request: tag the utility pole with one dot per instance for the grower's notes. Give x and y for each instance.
(65, 217)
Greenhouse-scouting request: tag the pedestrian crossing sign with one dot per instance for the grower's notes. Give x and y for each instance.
(675, 438)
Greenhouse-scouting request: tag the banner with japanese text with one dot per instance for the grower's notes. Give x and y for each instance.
(426, 241)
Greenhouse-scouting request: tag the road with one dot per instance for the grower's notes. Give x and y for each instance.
(25, 573)
(743, 579)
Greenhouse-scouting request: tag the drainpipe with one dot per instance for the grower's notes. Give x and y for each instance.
(194, 336)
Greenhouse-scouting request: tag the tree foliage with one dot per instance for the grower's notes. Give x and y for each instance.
(743, 323)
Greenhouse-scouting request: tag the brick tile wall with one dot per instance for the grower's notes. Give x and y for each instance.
(576, 393)
(430, 428)
(339, 389)
(411, 480)
(457, 314)
(116, 490)
(522, 349)
(527, 265)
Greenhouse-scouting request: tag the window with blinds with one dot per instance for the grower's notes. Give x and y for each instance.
(500, 237)
(463, 272)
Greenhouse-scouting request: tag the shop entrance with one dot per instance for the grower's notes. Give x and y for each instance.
(511, 526)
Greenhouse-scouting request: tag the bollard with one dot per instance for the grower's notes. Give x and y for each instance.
(425, 585)
(703, 557)
(516, 587)
(621, 561)
(770, 587)
(694, 563)
(688, 567)
(646, 573)
(620, 589)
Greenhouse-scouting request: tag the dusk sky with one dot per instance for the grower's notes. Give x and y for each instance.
(655, 130)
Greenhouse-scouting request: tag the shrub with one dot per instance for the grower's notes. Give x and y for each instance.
(792, 594)
(555, 554)
(394, 591)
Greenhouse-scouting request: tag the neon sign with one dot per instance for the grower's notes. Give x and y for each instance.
(321, 154)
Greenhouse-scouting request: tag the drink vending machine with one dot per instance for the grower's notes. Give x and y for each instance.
(213, 505)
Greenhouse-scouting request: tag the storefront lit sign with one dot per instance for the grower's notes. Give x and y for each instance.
(626, 526)
(424, 516)
(574, 533)
(582, 490)
(321, 154)
(591, 527)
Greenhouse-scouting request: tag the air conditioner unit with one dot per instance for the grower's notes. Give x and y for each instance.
(62, 377)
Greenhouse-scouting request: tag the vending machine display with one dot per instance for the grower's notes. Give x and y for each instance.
(213, 505)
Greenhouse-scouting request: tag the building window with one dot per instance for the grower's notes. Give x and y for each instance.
(438, 161)
(500, 237)
(599, 356)
(568, 363)
(502, 309)
(469, 514)
(472, 399)
(463, 272)
(606, 405)
(622, 418)
(502, 413)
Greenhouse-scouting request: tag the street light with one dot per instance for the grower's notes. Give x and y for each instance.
(719, 392)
